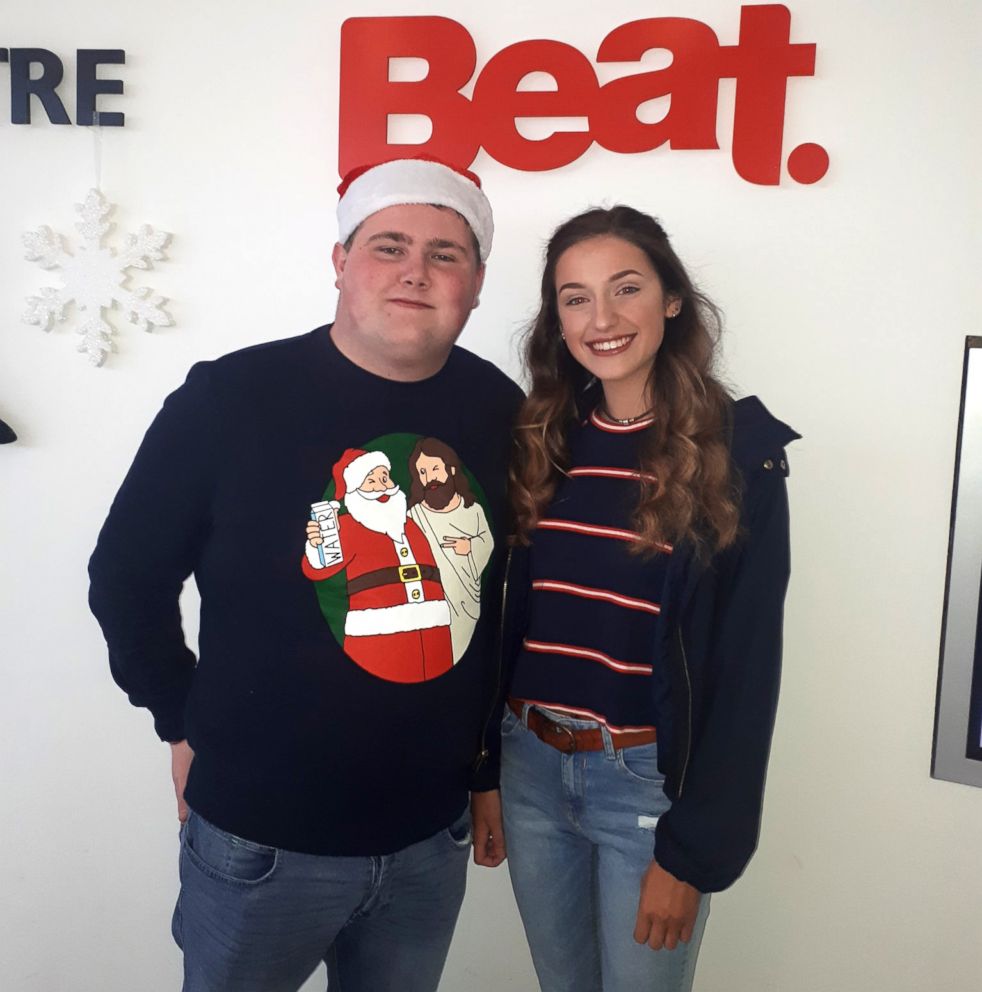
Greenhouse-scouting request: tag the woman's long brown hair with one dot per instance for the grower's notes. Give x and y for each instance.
(689, 492)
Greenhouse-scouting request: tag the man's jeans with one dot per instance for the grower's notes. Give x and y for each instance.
(580, 832)
(252, 918)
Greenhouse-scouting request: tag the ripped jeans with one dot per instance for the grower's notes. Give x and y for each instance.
(580, 833)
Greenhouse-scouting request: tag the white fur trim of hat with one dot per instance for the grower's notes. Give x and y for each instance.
(412, 180)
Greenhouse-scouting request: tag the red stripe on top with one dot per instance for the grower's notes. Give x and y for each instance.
(595, 530)
(610, 473)
(589, 592)
(571, 651)
(612, 427)
(583, 714)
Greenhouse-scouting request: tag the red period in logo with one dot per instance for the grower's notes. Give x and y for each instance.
(761, 63)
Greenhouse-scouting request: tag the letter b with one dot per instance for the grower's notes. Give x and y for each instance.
(368, 97)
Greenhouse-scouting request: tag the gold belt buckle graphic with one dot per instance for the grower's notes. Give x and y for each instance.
(409, 573)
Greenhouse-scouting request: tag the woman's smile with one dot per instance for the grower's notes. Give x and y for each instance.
(612, 346)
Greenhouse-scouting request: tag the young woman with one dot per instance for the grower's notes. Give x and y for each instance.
(643, 615)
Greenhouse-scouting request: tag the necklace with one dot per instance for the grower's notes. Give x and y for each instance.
(625, 421)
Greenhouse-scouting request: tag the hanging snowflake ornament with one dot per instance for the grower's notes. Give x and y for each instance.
(95, 278)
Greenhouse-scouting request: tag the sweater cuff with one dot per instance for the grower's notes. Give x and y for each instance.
(168, 722)
(485, 779)
(705, 878)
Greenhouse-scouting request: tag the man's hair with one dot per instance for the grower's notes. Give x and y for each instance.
(434, 448)
(475, 247)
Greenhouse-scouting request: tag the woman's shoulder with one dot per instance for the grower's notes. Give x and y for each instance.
(757, 435)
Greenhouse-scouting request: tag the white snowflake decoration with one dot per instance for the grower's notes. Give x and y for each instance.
(95, 278)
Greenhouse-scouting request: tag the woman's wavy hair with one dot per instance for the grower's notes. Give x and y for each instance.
(688, 491)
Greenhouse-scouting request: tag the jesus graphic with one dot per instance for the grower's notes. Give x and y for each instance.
(443, 506)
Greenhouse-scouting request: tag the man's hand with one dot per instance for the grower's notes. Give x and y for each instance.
(181, 756)
(461, 545)
(487, 829)
(666, 910)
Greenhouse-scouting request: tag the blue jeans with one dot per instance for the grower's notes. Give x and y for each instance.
(252, 918)
(580, 833)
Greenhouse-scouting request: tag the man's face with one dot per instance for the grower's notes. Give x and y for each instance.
(378, 484)
(438, 484)
(431, 470)
(378, 504)
(377, 481)
(408, 284)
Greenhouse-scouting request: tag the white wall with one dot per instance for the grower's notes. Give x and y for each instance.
(847, 306)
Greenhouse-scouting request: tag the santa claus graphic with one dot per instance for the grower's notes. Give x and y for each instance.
(398, 621)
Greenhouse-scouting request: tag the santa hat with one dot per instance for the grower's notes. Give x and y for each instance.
(368, 189)
(352, 467)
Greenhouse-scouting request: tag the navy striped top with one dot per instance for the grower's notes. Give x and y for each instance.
(594, 605)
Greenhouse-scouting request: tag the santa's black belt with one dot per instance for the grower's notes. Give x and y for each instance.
(391, 575)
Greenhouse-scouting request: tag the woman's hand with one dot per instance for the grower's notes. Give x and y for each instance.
(666, 910)
(487, 828)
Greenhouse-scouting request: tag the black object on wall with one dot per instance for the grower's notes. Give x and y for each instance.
(6, 434)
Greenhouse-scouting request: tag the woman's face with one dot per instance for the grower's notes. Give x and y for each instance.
(612, 310)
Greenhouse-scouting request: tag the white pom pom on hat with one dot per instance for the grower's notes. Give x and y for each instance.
(368, 189)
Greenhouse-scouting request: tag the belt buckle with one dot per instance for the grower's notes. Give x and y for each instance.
(409, 573)
(559, 728)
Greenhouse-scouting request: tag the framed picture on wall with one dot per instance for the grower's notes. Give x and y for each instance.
(957, 754)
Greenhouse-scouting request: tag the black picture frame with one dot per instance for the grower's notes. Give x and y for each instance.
(957, 750)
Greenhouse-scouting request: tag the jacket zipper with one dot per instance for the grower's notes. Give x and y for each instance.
(688, 728)
(482, 754)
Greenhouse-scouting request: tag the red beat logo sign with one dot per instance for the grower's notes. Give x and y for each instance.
(761, 63)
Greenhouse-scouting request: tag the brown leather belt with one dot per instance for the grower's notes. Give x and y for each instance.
(570, 739)
(391, 575)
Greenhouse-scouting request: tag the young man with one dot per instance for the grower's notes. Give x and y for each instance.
(327, 792)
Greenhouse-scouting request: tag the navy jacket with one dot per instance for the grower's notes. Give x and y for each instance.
(719, 648)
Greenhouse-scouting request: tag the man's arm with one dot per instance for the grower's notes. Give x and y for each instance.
(149, 544)
(481, 545)
(181, 757)
(310, 563)
(473, 540)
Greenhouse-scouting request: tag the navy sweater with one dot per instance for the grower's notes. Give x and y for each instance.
(594, 606)
(296, 745)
